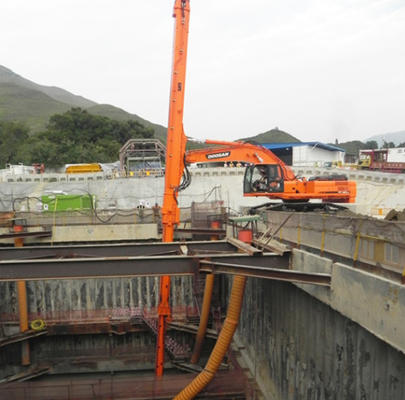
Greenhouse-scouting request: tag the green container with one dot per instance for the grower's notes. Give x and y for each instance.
(67, 202)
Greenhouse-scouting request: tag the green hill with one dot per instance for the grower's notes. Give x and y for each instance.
(60, 95)
(34, 108)
(273, 136)
(33, 104)
(25, 101)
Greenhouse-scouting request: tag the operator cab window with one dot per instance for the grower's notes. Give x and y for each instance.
(263, 179)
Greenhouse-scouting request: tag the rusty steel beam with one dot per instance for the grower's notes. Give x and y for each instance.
(12, 235)
(200, 231)
(108, 267)
(138, 385)
(110, 250)
(19, 337)
(247, 248)
(31, 373)
(92, 327)
(267, 273)
(180, 326)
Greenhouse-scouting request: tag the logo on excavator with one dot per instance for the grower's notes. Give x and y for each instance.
(218, 155)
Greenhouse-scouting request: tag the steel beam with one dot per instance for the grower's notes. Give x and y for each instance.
(245, 247)
(13, 235)
(179, 326)
(19, 337)
(110, 250)
(109, 267)
(267, 273)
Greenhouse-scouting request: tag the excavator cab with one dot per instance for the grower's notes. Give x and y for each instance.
(263, 178)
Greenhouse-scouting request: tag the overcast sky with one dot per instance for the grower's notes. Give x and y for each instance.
(317, 69)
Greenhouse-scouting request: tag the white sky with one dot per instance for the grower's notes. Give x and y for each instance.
(317, 69)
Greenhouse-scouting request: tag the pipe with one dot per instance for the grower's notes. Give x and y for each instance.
(223, 342)
(23, 312)
(18, 241)
(209, 284)
(22, 304)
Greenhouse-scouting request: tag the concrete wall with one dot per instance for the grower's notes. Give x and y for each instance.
(377, 193)
(85, 302)
(344, 342)
(63, 299)
(300, 348)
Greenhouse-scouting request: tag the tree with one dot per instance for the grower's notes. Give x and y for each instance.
(371, 145)
(12, 137)
(387, 145)
(39, 149)
(80, 137)
(352, 147)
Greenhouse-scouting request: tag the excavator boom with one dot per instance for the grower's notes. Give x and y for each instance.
(245, 152)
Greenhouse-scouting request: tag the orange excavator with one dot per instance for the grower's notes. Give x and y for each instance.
(266, 175)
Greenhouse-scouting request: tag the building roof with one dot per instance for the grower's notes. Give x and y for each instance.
(321, 145)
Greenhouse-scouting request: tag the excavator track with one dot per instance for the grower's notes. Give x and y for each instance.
(328, 208)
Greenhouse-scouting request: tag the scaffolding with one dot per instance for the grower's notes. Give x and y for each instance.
(143, 156)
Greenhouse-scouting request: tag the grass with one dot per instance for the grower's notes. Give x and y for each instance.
(34, 108)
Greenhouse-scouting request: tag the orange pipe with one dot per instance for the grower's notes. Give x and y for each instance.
(18, 241)
(23, 312)
(209, 284)
(223, 342)
(22, 305)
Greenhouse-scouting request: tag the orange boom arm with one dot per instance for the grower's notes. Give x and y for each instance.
(175, 150)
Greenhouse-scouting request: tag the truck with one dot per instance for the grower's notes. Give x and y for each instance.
(384, 160)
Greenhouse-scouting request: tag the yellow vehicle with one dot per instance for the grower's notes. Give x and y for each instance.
(332, 164)
(83, 168)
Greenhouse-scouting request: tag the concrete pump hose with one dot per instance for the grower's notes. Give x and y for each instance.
(223, 342)
(205, 312)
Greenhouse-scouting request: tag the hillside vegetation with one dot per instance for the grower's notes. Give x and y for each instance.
(73, 137)
(32, 106)
(28, 106)
(27, 102)
(273, 136)
(118, 114)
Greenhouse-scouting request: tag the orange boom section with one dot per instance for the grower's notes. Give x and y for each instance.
(175, 150)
